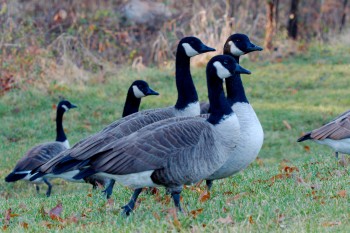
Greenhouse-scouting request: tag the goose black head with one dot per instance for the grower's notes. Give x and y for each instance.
(141, 89)
(225, 66)
(65, 105)
(193, 46)
(239, 44)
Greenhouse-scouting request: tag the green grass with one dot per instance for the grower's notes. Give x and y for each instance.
(305, 91)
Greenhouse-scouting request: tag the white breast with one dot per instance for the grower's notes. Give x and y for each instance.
(134, 180)
(249, 145)
(193, 109)
(66, 144)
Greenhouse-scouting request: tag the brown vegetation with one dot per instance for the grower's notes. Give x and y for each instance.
(38, 38)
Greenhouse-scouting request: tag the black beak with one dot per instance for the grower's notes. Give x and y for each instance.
(151, 92)
(73, 106)
(252, 47)
(240, 70)
(204, 49)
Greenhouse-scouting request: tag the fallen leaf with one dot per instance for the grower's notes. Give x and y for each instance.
(331, 224)
(154, 191)
(227, 220)
(194, 213)
(177, 224)
(342, 193)
(156, 215)
(7, 217)
(205, 196)
(47, 224)
(56, 212)
(43, 212)
(72, 219)
(251, 221)
(281, 218)
(228, 193)
(288, 169)
(24, 225)
(307, 148)
(287, 125)
(259, 162)
(280, 176)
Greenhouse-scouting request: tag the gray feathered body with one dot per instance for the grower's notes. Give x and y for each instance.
(90, 146)
(249, 145)
(37, 156)
(335, 134)
(170, 152)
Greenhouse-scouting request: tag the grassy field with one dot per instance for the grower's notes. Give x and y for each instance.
(292, 187)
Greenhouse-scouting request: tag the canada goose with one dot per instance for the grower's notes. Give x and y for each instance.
(335, 134)
(252, 134)
(40, 154)
(175, 151)
(186, 105)
(136, 91)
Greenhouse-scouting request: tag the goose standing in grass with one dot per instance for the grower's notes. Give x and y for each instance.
(335, 134)
(136, 91)
(186, 105)
(252, 134)
(175, 151)
(40, 154)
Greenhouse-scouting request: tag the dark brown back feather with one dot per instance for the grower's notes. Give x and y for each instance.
(337, 129)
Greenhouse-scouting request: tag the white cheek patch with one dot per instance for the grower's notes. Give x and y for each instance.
(137, 92)
(65, 107)
(190, 52)
(221, 71)
(234, 50)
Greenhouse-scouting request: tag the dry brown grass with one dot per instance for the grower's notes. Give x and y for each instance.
(56, 43)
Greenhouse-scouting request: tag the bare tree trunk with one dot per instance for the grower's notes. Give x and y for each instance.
(343, 18)
(269, 29)
(276, 15)
(319, 22)
(293, 20)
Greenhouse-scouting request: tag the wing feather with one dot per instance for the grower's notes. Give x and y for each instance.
(336, 130)
(151, 149)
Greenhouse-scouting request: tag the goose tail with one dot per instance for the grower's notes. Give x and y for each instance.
(37, 175)
(84, 173)
(304, 137)
(13, 176)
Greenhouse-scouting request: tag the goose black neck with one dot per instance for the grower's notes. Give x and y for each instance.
(235, 89)
(60, 135)
(132, 103)
(185, 87)
(218, 103)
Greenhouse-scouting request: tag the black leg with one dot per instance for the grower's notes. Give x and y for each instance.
(48, 192)
(209, 184)
(176, 197)
(37, 188)
(108, 191)
(130, 206)
(336, 154)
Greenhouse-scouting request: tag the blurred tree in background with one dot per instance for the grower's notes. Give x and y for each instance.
(87, 33)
